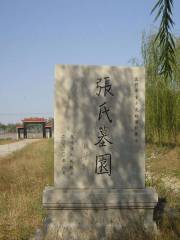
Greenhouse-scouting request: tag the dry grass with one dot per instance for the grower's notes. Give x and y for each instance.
(164, 161)
(168, 216)
(7, 141)
(23, 176)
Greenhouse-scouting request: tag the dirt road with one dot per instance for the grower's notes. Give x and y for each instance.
(11, 147)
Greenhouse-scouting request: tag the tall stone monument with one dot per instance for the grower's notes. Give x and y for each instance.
(99, 159)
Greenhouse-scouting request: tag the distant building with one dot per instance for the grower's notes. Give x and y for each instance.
(47, 128)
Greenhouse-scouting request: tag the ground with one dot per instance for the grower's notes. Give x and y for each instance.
(6, 149)
(25, 173)
(7, 141)
(163, 164)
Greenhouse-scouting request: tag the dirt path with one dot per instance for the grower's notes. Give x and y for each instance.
(11, 147)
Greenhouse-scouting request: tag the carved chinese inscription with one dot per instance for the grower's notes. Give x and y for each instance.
(136, 114)
(103, 161)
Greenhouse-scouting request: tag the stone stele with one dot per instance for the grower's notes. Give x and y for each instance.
(99, 158)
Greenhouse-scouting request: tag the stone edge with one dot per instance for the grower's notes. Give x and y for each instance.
(58, 198)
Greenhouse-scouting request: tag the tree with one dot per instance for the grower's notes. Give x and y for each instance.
(165, 38)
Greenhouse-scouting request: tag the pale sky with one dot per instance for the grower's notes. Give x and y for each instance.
(37, 34)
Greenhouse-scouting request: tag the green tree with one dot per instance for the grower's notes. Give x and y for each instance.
(161, 55)
(165, 39)
(162, 97)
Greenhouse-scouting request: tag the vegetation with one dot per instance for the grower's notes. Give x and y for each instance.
(11, 127)
(165, 39)
(23, 176)
(163, 165)
(161, 58)
(7, 141)
(162, 96)
(164, 161)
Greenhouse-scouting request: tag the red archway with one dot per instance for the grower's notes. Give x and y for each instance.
(26, 121)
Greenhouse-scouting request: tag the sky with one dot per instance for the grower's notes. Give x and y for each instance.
(37, 34)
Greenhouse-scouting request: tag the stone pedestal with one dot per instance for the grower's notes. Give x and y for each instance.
(99, 163)
(74, 213)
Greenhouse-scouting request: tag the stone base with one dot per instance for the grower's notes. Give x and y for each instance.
(96, 213)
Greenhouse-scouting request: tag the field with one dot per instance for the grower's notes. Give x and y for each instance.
(24, 174)
(163, 173)
(7, 141)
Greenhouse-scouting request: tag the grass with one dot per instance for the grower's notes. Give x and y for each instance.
(164, 161)
(23, 176)
(168, 218)
(7, 141)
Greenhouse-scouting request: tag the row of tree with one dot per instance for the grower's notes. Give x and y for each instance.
(8, 127)
(162, 93)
